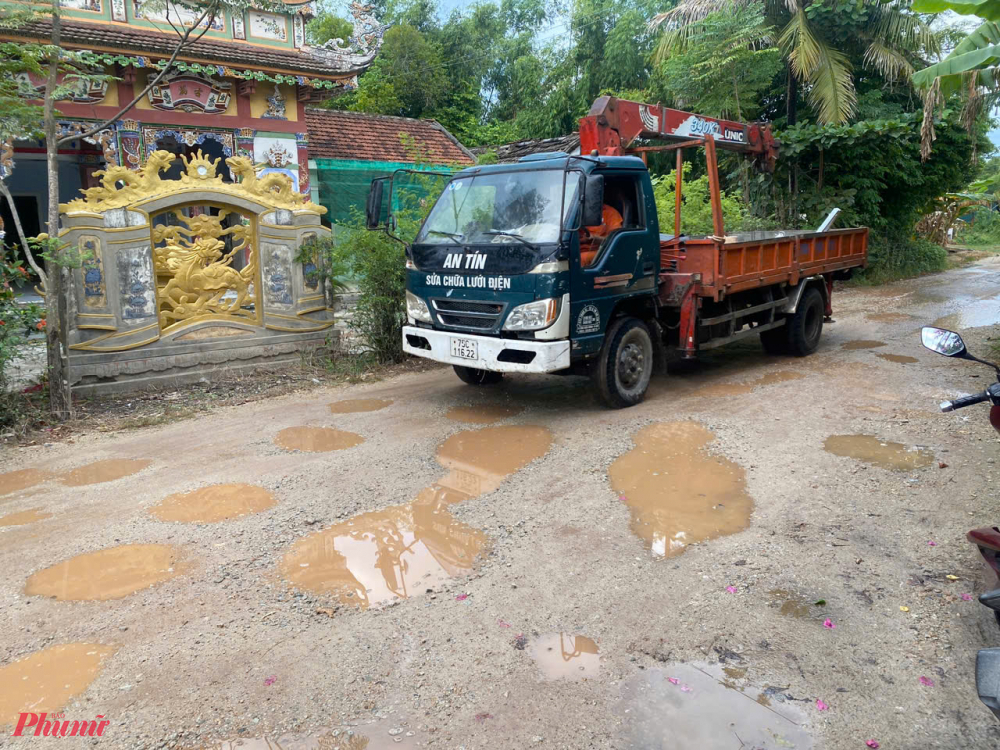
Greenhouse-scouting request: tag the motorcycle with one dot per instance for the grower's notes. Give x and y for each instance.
(987, 538)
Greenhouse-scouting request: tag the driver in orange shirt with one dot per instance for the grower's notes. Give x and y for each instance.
(590, 237)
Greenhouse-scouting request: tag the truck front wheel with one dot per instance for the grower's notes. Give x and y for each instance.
(472, 376)
(621, 373)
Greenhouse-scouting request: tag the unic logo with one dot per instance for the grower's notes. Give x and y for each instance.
(56, 726)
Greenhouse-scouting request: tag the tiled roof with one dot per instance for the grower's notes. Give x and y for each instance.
(510, 152)
(127, 39)
(352, 135)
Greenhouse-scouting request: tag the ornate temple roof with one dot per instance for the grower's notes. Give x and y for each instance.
(352, 135)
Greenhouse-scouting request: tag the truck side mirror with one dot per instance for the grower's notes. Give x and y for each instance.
(373, 209)
(593, 201)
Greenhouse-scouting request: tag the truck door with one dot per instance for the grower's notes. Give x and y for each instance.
(613, 262)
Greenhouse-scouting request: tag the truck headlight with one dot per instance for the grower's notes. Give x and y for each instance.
(532, 316)
(416, 309)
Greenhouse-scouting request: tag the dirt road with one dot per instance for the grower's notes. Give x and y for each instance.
(767, 553)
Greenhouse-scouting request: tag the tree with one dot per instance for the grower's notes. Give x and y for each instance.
(64, 69)
(823, 43)
(327, 26)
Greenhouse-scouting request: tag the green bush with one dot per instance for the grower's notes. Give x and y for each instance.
(696, 208)
(16, 321)
(983, 229)
(889, 260)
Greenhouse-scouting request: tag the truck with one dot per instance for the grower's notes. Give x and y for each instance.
(558, 264)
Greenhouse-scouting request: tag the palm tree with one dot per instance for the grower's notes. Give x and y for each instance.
(889, 37)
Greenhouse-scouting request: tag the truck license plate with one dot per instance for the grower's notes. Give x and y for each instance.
(464, 348)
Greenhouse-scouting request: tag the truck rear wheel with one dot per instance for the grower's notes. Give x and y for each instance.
(473, 376)
(805, 325)
(622, 372)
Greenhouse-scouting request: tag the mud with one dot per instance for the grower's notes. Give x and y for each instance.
(900, 359)
(107, 574)
(882, 453)
(376, 558)
(316, 439)
(564, 656)
(737, 389)
(861, 344)
(47, 680)
(24, 517)
(790, 604)
(362, 738)
(357, 405)
(677, 492)
(484, 413)
(889, 317)
(99, 472)
(22, 479)
(695, 706)
(218, 502)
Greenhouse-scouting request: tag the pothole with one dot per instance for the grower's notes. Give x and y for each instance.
(900, 359)
(976, 315)
(883, 453)
(737, 389)
(484, 413)
(48, 679)
(24, 517)
(107, 470)
(862, 344)
(356, 405)
(677, 492)
(22, 479)
(218, 502)
(106, 574)
(399, 552)
(357, 738)
(563, 656)
(790, 604)
(316, 439)
(698, 705)
(889, 317)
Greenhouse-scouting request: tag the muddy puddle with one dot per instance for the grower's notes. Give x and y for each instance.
(218, 502)
(564, 656)
(679, 493)
(983, 313)
(900, 359)
(47, 680)
(882, 453)
(360, 738)
(790, 604)
(106, 574)
(107, 470)
(698, 705)
(316, 439)
(22, 479)
(861, 344)
(376, 558)
(737, 389)
(357, 405)
(24, 517)
(483, 413)
(889, 317)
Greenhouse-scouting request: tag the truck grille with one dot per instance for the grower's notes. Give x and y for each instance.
(456, 313)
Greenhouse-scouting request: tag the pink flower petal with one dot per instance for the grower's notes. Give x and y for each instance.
(271, 680)
(926, 681)
(673, 680)
(503, 623)
(932, 544)
(461, 597)
(828, 624)
(966, 597)
(685, 688)
(820, 705)
(873, 744)
(731, 589)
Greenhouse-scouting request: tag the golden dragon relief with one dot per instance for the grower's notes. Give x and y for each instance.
(121, 186)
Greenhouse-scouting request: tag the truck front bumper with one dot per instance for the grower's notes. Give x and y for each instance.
(495, 354)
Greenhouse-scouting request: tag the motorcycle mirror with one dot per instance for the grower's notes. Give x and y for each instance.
(988, 678)
(942, 341)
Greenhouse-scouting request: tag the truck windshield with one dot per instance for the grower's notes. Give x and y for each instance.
(501, 208)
